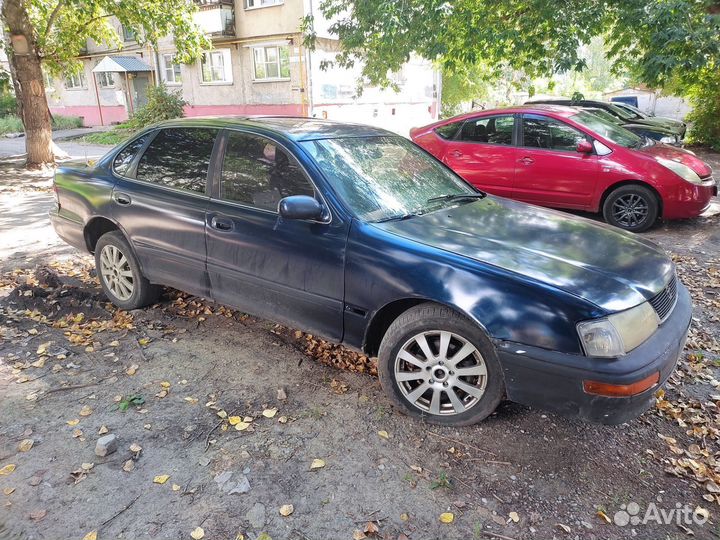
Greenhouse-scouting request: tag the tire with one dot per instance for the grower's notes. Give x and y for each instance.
(119, 273)
(440, 324)
(640, 198)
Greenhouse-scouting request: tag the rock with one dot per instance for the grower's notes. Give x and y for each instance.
(281, 395)
(242, 486)
(256, 516)
(231, 487)
(106, 445)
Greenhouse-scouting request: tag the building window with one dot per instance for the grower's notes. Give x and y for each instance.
(128, 34)
(171, 70)
(47, 80)
(271, 62)
(105, 80)
(217, 67)
(75, 80)
(250, 4)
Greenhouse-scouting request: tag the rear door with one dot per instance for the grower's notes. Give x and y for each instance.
(287, 270)
(160, 202)
(549, 170)
(483, 153)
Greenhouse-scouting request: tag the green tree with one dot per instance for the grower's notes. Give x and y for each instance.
(54, 32)
(658, 40)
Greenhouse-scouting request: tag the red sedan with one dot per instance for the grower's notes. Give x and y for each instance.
(563, 157)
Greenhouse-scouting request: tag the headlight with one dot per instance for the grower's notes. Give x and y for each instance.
(683, 171)
(668, 140)
(618, 333)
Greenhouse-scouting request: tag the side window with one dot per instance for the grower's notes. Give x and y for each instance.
(178, 158)
(448, 131)
(259, 173)
(489, 129)
(124, 158)
(550, 134)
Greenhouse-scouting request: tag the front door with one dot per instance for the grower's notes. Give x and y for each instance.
(140, 83)
(291, 271)
(549, 170)
(161, 202)
(483, 153)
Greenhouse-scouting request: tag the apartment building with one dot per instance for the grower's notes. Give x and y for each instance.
(257, 65)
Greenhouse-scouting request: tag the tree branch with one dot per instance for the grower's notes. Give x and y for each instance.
(53, 16)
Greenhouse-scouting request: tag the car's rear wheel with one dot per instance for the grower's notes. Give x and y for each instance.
(436, 364)
(119, 273)
(631, 207)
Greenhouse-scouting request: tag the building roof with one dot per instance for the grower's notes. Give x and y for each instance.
(121, 64)
(292, 127)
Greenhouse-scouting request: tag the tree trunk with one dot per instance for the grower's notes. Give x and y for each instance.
(28, 80)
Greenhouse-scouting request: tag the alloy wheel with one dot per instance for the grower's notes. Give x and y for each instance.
(116, 273)
(440, 373)
(630, 210)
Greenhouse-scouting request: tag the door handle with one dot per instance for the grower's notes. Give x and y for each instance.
(526, 160)
(456, 153)
(122, 199)
(221, 224)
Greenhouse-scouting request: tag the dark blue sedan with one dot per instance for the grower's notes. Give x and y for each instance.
(356, 234)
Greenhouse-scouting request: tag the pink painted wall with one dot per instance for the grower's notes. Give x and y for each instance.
(117, 114)
(91, 116)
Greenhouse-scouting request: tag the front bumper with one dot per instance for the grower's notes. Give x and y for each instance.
(554, 381)
(690, 200)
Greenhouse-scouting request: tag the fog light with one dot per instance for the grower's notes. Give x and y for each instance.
(621, 390)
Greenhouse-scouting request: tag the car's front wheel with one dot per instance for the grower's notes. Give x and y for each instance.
(119, 273)
(435, 363)
(631, 207)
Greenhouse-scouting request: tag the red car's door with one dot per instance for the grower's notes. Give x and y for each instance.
(483, 153)
(549, 170)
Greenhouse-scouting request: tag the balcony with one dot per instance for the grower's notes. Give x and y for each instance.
(216, 17)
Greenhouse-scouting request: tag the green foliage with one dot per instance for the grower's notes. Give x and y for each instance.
(470, 83)
(135, 400)
(111, 137)
(442, 481)
(8, 104)
(11, 123)
(161, 105)
(704, 96)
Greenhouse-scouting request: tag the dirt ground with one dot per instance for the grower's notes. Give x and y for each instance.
(222, 420)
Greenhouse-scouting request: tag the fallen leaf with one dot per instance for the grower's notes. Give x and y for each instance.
(25, 445)
(233, 420)
(384, 434)
(602, 515)
(42, 349)
(358, 535)
(135, 448)
(317, 464)
(165, 384)
(132, 370)
(175, 487)
(269, 413)
(86, 411)
(283, 419)
(191, 400)
(416, 468)
(87, 466)
(73, 422)
(371, 528)
(103, 430)
(129, 465)
(143, 341)
(514, 517)
(92, 535)
(77, 433)
(404, 517)
(447, 517)
(161, 478)
(564, 527)
(242, 426)
(197, 533)
(222, 414)
(115, 343)
(38, 514)
(7, 469)
(8, 490)
(286, 510)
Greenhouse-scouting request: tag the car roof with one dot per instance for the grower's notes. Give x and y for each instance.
(529, 108)
(296, 128)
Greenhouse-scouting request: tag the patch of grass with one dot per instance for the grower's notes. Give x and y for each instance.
(12, 123)
(442, 481)
(111, 137)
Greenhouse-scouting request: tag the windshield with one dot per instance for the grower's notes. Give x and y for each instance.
(633, 109)
(621, 112)
(608, 130)
(382, 178)
(604, 114)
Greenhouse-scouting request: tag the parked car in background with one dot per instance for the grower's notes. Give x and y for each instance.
(356, 234)
(656, 133)
(563, 157)
(676, 127)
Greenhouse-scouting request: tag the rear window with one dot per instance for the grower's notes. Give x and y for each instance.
(124, 159)
(448, 131)
(178, 158)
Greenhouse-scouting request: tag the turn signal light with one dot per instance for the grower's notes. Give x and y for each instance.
(621, 390)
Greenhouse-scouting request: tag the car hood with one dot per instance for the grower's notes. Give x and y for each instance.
(674, 126)
(608, 267)
(680, 155)
(665, 131)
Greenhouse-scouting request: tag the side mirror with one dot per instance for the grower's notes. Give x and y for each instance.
(301, 207)
(585, 147)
